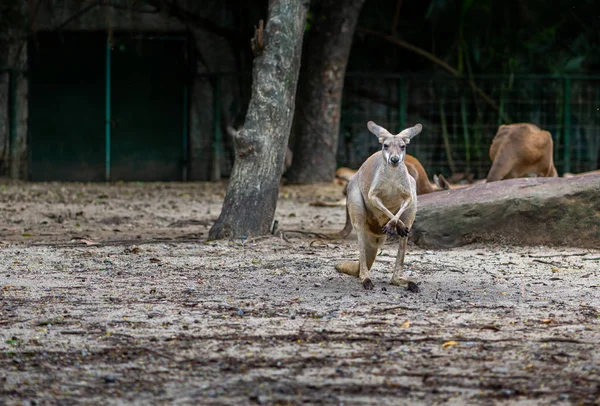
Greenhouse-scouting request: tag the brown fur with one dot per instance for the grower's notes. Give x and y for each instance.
(442, 183)
(343, 175)
(381, 199)
(418, 172)
(520, 150)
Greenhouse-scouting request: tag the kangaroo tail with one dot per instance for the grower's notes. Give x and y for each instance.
(346, 230)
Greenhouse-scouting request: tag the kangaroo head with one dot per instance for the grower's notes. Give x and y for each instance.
(394, 146)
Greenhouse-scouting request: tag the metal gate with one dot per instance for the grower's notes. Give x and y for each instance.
(99, 112)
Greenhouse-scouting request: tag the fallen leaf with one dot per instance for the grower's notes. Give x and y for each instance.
(547, 321)
(449, 344)
(528, 367)
(154, 259)
(406, 324)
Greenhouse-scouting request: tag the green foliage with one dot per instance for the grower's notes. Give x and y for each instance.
(515, 36)
(491, 36)
(309, 20)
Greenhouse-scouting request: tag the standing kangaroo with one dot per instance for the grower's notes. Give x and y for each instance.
(382, 199)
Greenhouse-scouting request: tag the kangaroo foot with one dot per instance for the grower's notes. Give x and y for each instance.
(367, 284)
(409, 285)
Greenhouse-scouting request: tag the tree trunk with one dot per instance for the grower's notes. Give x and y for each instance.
(317, 118)
(251, 197)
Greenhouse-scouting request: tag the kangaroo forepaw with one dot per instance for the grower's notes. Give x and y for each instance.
(396, 228)
(390, 229)
(402, 230)
(368, 285)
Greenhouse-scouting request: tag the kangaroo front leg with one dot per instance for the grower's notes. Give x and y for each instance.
(396, 226)
(398, 276)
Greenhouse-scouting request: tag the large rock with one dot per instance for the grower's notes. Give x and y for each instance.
(553, 211)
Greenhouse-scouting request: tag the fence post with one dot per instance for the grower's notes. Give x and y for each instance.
(216, 159)
(401, 86)
(12, 118)
(567, 125)
(186, 104)
(107, 112)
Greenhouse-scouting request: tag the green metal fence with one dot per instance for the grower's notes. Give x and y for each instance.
(460, 117)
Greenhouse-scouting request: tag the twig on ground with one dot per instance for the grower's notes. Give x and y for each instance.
(546, 262)
(577, 254)
(309, 233)
(387, 309)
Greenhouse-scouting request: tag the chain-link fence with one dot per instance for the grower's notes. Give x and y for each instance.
(460, 117)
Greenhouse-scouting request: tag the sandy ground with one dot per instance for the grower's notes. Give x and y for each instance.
(113, 295)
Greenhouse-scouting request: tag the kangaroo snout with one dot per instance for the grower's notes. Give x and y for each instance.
(395, 160)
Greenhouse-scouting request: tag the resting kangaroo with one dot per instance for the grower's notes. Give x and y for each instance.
(520, 150)
(382, 199)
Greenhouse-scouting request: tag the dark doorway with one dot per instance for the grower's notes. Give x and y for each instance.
(147, 109)
(146, 94)
(66, 106)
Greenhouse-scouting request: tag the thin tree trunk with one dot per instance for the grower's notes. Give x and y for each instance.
(317, 118)
(251, 197)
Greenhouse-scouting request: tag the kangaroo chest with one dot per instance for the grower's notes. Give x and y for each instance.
(393, 192)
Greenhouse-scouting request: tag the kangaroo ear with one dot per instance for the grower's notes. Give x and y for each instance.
(411, 132)
(381, 132)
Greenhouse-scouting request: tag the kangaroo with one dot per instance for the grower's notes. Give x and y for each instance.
(343, 175)
(443, 184)
(520, 150)
(414, 167)
(382, 200)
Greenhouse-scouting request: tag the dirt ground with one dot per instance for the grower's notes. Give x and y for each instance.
(112, 294)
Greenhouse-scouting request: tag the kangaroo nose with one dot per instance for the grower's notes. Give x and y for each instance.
(395, 159)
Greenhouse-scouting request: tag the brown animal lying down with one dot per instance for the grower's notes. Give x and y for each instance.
(343, 176)
(521, 150)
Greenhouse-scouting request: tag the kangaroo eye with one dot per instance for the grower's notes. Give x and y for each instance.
(403, 147)
(385, 146)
